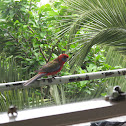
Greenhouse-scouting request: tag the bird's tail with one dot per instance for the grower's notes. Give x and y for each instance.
(33, 79)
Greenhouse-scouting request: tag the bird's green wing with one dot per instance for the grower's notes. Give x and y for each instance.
(50, 67)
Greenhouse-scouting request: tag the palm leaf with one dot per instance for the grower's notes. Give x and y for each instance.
(97, 22)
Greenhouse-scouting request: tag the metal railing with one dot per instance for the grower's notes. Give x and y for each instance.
(68, 113)
(64, 79)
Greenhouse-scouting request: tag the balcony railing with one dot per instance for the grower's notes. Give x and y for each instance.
(64, 79)
(67, 114)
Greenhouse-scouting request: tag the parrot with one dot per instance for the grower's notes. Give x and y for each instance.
(50, 68)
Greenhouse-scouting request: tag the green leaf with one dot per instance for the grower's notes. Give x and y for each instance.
(27, 59)
(103, 94)
(18, 56)
(87, 91)
(47, 7)
(16, 22)
(9, 43)
(42, 34)
(53, 13)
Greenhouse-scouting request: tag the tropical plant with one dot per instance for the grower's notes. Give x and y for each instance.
(9, 71)
(94, 22)
(114, 58)
(28, 32)
(27, 35)
(25, 98)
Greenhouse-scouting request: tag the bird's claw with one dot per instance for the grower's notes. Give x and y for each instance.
(55, 76)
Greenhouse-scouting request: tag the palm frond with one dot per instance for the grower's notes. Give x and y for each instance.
(97, 22)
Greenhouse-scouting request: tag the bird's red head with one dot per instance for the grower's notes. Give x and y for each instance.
(63, 58)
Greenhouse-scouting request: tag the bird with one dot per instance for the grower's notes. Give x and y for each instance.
(50, 68)
(118, 89)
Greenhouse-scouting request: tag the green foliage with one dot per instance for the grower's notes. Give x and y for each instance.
(99, 22)
(28, 32)
(25, 98)
(94, 61)
(33, 35)
(9, 70)
(115, 58)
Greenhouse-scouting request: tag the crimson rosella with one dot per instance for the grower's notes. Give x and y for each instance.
(51, 68)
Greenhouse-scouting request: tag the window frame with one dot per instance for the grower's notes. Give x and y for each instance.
(68, 114)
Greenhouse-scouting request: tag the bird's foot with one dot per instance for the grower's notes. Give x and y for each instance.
(55, 76)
